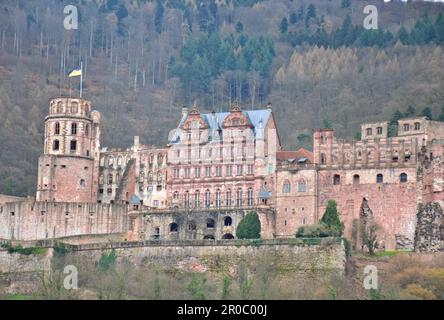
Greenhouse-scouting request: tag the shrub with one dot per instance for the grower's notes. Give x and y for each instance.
(25, 251)
(417, 291)
(107, 260)
(314, 231)
(331, 219)
(249, 227)
(60, 248)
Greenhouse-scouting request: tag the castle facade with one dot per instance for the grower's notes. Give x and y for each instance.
(215, 168)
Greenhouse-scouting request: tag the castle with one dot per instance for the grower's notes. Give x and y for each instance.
(216, 168)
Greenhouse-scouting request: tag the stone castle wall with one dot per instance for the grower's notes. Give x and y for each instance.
(30, 220)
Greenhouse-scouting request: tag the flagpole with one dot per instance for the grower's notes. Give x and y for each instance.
(81, 78)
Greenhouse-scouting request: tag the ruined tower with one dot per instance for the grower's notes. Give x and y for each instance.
(68, 167)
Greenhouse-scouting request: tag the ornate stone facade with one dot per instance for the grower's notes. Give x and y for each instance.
(221, 165)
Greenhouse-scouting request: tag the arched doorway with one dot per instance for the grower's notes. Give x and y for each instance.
(227, 236)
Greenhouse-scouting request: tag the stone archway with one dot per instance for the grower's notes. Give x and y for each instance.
(227, 236)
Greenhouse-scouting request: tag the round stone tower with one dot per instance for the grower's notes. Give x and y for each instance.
(68, 168)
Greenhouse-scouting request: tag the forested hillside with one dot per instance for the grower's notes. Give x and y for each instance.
(145, 59)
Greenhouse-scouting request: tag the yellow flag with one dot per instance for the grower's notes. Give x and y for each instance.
(75, 73)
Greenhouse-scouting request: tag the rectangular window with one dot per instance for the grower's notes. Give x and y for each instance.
(208, 171)
(406, 127)
(229, 170)
(176, 173)
(197, 172)
(187, 172)
(250, 169)
(239, 169)
(218, 171)
(73, 145)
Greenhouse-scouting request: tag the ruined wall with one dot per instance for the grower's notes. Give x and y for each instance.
(30, 220)
(66, 179)
(429, 235)
(393, 203)
(198, 224)
(296, 203)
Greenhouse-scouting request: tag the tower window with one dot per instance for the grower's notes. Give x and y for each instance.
(56, 145)
(57, 128)
(379, 178)
(87, 130)
(336, 179)
(369, 131)
(356, 179)
(417, 126)
(73, 128)
(406, 127)
(403, 177)
(379, 130)
(82, 183)
(73, 145)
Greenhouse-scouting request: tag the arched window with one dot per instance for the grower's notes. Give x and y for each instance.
(356, 179)
(110, 178)
(174, 227)
(176, 195)
(323, 160)
(207, 198)
(82, 183)
(379, 178)
(403, 177)
(239, 197)
(56, 145)
(59, 107)
(250, 197)
(57, 128)
(73, 128)
(197, 199)
(87, 130)
(228, 221)
(302, 186)
(322, 139)
(287, 187)
(218, 198)
(228, 236)
(186, 199)
(74, 107)
(228, 198)
(210, 223)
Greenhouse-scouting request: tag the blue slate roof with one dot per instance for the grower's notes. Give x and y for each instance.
(215, 120)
